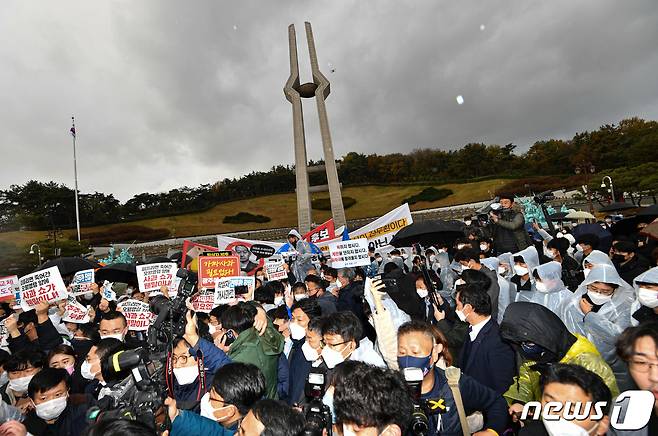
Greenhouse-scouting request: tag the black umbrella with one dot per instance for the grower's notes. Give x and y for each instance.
(69, 265)
(158, 259)
(613, 207)
(649, 211)
(628, 226)
(558, 216)
(428, 233)
(118, 272)
(605, 237)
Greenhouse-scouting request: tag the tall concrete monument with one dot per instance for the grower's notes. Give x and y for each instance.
(294, 92)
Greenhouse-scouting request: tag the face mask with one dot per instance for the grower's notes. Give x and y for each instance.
(598, 299)
(20, 384)
(405, 256)
(465, 268)
(562, 427)
(461, 315)
(468, 222)
(432, 258)
(378, 259)
(541, 287)
(309, 352)
(549, 253)
(460, 246)
(328, 400)
(296, 331)
(520, 270)
(332, 357)
(338, 284)
(212, 329)
(532, 352)
(118, 336)
(207, 411)
(422, 293)
(647, 297)
(484, 247)
(442, 250)
(51, 409)
(619, 258)
(415, 362)
(70, 369)
(586, 272)
(4, 378)
(186, 375)
(459, 282)
(300, 297)
(85, 371)
(502, 270)
(278, 301)
(579, 247)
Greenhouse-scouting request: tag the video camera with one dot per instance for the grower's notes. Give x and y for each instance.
(318, 414)
(140, 396)
(543, 197)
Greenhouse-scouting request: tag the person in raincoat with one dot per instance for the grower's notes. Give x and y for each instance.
(595, 258)
(503, 297)
(525, 261)
(599, 309)
(303, 252)
(645, 307)
(549, 289)
(541, 338)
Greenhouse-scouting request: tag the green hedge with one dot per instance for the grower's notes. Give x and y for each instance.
(245, 217)
(124, 234)
(428, 194)
(325, 203)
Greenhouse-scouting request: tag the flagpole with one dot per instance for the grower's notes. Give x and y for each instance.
(75, 173)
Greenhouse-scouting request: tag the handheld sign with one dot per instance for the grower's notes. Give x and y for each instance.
(75, 312)
(212, 269)
(82, 281)
(45, 285)
(204, 301)
(274, 268)
(107, 291)
(226, 292)
(154, 275)
(137, 313)
(347, 254)
(8, 286)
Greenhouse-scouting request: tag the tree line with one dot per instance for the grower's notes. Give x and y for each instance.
(627, 145)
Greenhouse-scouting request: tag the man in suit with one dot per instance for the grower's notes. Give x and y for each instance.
(469, 258)
(484, 356)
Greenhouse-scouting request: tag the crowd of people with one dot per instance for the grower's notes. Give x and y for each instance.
(455, 338)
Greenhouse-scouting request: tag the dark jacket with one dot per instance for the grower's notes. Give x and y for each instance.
(494, 288)
(633, 268)
(509, 232)
(188, 396)
(327, 303)
(299, 369)
(190, 424)
(72, 422)
(48, 338)
(645, 314)
(572, 273)
(475, 396)
(488, 359)
(282, 378)
(350, 299)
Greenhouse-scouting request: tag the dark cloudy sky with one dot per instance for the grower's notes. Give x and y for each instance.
(168, 93)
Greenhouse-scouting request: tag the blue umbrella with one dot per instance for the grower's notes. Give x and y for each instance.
(605, 237)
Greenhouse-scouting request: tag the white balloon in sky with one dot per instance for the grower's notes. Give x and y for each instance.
(460, 99)
(235, 27)
(482, 27)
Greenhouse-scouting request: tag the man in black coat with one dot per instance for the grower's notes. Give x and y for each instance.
(628, 263)
(484, 356)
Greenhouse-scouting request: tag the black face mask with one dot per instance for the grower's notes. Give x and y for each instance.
(619, 258)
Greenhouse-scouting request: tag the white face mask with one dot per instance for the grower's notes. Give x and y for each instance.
(309, 352)
(562, 427)
(118, 336)
(338, 284)
(598, 299)
(549, 253)
(502, 270)
(541, 287)
(468, 222)
(422, 293)
(484, 247)
(648, 297)
(212, 329)
(579, 247)
(85, 371)
(520, 270)
(442, 250)
(278, 301)
(187, 374)
(432, 258)
(332, 357)
(461, 315)
(300, 297)
(20, 384)
(460, 246)
(296, 331)
(207, 411)
(586, 272)
(50, 410)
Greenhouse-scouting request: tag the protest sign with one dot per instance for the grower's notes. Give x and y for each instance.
(348, 254)
(380, 232)
(226, 292)
(4, 336)
(8, 287)
(173, 289)
(204, 301)
(324, 232)
(75, 312)
(251, 252)
(45, 285)
(154, 275)
(137, 313)
(107, 292)
(221, 253)
(82, 281)
(275, 269)
(192, 250)
(213, 268)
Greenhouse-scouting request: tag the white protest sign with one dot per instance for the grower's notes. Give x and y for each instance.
(137, 313)
(75, 312)
(204, 301)
(173, 289)
(274, 268)
(8, 286)
(348, 254)
(107, 291)
(4, 336)
(154, 275)
(226, 293)
(82, 281)
(46, 285)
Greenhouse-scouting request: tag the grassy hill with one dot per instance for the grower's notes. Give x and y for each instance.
(371, 200)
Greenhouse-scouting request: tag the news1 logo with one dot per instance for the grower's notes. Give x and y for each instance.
(631, 410)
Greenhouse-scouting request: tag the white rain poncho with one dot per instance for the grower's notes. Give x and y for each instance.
(597, 257)
(503, 297)
(531, 259)
(602, 327)
(303, 262)
(650, 276)
(550, 290)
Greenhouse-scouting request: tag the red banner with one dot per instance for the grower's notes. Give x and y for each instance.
(324, 232)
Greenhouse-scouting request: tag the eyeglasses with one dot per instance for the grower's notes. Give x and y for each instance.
(601, 291)
(642, 366)
(324, 344)
(182, 359)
